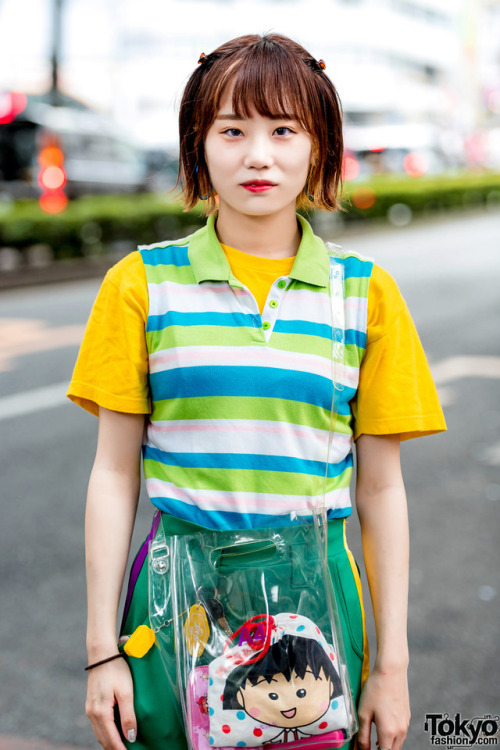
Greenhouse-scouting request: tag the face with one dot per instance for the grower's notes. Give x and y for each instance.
(257, 166)
(287, 704)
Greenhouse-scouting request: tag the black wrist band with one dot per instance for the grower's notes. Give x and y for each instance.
(104, 661)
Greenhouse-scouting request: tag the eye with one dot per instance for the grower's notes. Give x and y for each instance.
(301, 693)
(274, 696)
(283, 131)
(232, 132)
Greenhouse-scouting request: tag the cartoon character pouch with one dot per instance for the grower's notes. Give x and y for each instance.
(280, 682)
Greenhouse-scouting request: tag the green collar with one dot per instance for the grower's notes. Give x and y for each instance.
(209, 262)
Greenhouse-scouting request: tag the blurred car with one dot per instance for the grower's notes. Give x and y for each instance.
(90, 151)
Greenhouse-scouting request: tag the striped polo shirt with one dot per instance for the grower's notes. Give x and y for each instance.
(241, 402)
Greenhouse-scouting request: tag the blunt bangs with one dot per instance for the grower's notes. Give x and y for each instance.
(279, 79)
(271, 81)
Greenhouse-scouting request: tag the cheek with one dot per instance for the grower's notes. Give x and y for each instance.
(219, 164)
(303, 155)
(300, 166)
(254, 711)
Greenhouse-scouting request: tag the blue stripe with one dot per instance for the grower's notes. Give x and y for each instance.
(248, 461)
(228, 520)
(303, 327)
(306, 328)
(173, 318)
(354, 337)
(356, 268)
(254, 382)
(172, 255)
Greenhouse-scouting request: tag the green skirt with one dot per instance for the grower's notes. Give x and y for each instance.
(158, 722)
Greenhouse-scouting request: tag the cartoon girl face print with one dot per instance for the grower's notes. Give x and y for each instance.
(287, 703)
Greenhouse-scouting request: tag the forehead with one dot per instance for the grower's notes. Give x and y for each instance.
(245, 98)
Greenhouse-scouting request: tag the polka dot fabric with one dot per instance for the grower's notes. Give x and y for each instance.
(236, 722)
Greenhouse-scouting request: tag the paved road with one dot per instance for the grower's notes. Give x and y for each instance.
(449, 272)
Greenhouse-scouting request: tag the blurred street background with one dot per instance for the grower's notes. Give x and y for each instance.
(89, 92)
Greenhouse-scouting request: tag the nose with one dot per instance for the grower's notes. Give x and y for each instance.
(259, 152)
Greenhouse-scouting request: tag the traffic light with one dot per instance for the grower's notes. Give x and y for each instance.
(52, 179)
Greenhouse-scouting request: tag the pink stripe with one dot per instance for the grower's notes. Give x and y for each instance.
(185, 359)
(181, 357)
(194, 355)
(228, 502)
(356, 303)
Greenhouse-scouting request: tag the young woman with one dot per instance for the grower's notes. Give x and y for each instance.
(212, 355)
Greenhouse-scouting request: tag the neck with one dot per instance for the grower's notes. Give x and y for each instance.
(275, 235)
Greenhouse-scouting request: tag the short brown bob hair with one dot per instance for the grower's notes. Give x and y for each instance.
(280, 79)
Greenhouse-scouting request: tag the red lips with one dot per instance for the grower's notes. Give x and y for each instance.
(258, 183)
(258, 186)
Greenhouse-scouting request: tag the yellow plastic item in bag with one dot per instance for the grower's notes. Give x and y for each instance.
(140, 642)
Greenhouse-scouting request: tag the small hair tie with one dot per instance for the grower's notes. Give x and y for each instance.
(105, 661)
(203, 59)
(316, 65)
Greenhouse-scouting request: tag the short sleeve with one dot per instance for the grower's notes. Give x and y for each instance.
(112, 365)
(396, 392)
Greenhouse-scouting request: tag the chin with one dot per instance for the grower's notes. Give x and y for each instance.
(264, 208)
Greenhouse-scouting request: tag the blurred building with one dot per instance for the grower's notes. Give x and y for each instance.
(419, 79)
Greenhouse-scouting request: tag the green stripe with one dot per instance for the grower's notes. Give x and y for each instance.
(356, 286)
(180, 336)
(301, 343)
(242, 480)
(247, 408)
(177, 274)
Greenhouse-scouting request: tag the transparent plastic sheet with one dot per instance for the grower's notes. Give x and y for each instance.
(160, 607)
(245, 596)
(259, 652)
(337, 361)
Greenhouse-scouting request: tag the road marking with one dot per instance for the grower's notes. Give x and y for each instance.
(35, 400)
(21, 336)
(455, 368)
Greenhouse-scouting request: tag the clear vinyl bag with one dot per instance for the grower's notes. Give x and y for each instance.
(259, 652)
(246, 620)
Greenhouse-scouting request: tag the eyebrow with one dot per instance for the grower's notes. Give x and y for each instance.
(228, 117)
(231, 116)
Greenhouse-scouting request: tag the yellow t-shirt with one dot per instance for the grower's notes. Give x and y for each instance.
(396, 393)
(256, 273)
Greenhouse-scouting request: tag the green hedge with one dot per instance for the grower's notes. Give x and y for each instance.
(90, 225)
(96, 224)
(460, 190)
